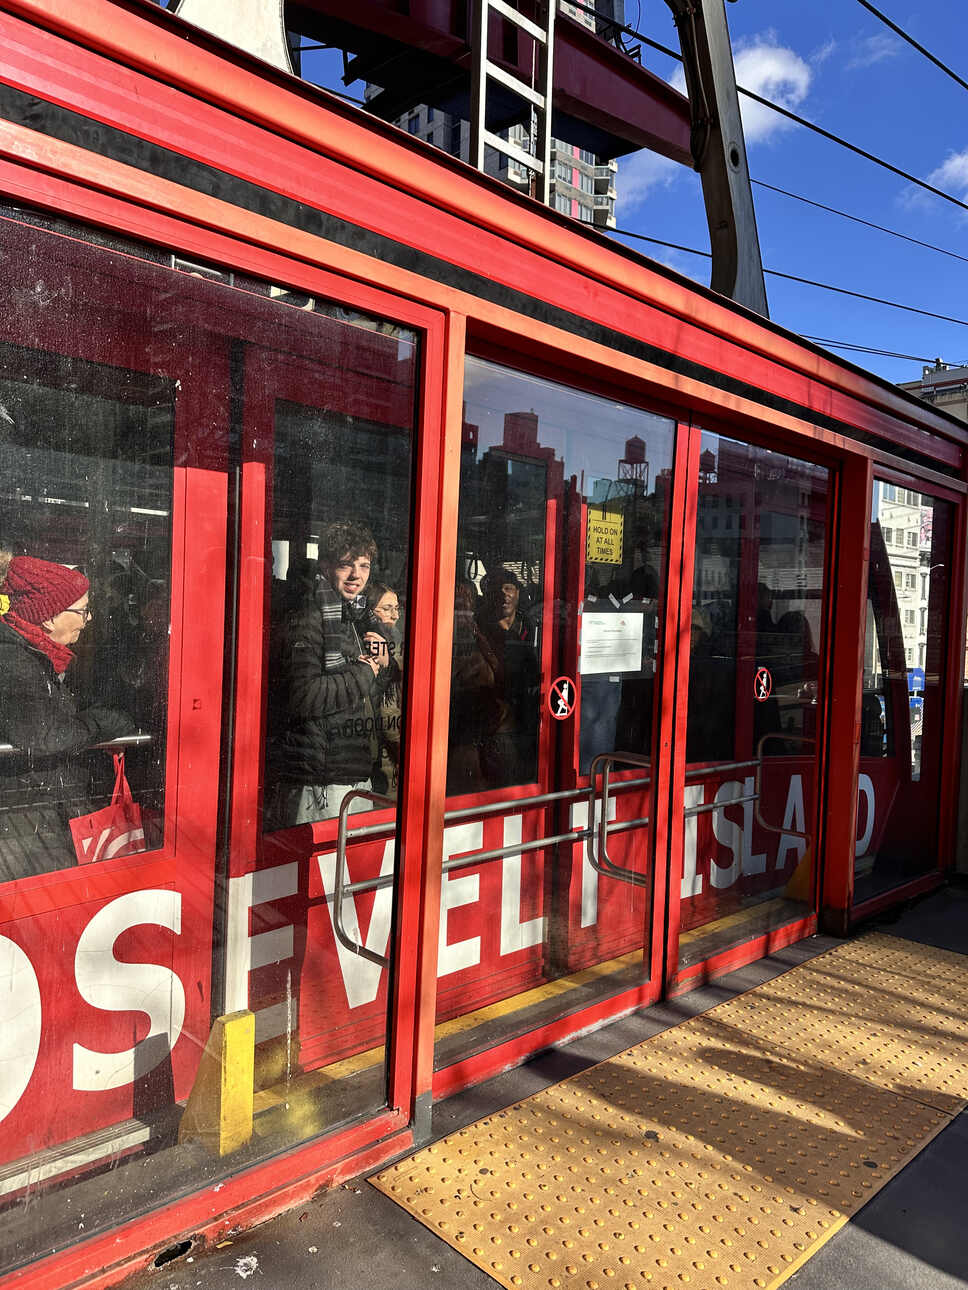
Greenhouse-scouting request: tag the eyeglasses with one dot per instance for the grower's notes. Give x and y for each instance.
(84, 613)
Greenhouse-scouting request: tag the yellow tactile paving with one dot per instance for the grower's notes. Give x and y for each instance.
(710, 1155)
(884, 1010)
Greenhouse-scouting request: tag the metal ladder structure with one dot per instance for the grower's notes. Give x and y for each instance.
(537, 96)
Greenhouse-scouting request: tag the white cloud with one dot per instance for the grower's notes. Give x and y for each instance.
(778, 73)
(826, 50)
(762, 65)
(640, 173)
(952, 175)
(874, 49)
(773, 70)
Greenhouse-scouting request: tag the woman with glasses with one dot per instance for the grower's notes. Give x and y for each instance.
(43, 782)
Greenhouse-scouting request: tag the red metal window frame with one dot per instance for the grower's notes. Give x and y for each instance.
(953, 689)
(186, 859)
(419, 830)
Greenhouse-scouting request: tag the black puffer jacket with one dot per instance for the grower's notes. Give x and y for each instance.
(331, 728)
(46, 782)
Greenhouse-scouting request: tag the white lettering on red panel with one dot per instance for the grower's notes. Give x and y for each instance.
(110, 984)
(21, 1021)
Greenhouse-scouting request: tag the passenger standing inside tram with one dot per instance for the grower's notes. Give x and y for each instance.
(336, 671)
(44, 782)
(510, 749)
(384, 619)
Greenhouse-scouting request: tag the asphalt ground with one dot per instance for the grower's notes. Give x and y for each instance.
(910, 1236)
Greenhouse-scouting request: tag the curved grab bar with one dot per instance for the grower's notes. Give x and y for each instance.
(381, 960)
(600, 860)
(787, 738)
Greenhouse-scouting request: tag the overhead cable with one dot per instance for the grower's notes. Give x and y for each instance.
(807, 282)
(867, 349)
(800, 120)
(915, 44)
(852, 147)
(881, 228)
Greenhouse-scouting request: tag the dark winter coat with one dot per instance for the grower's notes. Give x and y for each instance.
(46, 782)
(330, 730)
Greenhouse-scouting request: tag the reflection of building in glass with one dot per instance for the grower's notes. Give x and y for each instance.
(906, 530)
(507, 489)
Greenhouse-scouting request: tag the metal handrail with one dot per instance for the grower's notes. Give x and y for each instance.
(720, 768)
(508, 806)
(123, 741)
(338, 891)
(787, 738)
(601, 862)
(342, 888)
(690, 811)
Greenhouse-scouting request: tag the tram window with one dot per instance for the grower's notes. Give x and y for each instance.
(85, 527)
(548, 471)
(765, 612)
(340, 541)
(903, 707)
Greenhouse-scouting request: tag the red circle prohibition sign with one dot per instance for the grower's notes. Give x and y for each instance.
(762, 684)
(561, 698)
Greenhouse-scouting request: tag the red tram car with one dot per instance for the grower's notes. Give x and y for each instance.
(653, 575)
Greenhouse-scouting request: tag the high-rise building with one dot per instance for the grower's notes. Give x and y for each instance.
(582, 184)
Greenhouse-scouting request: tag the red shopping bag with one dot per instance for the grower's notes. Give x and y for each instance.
(115, 830)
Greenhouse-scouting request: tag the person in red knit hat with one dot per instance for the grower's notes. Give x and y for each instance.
(43, 783)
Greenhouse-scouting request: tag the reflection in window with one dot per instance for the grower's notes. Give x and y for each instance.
(902, 707)
(754, 678)
(340, 548)
(757, 603)
(499, 600)
(539, 460)
(85, 541)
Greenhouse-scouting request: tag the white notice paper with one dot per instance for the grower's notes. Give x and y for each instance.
(611, 643)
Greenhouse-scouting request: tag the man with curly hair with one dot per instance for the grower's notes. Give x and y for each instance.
(335, 669)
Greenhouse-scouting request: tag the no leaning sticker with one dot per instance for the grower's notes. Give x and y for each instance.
(561, 698)
(762, 685)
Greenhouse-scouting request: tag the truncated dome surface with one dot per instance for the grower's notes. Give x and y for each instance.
(722, 1152)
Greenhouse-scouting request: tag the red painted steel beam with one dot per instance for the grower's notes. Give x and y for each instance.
(595, 82)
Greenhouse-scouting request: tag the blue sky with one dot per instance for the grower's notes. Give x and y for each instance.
(836, 64)
(833, 62)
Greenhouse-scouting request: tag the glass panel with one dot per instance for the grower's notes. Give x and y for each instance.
(902, 708)
(751, 750)
(340, 542)
(85, 554)
(136, 389)
(562, 534)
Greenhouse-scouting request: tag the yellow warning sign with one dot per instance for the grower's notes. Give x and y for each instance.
(604, 538)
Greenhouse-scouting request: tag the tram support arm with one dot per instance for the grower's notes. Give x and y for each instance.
(719, 151)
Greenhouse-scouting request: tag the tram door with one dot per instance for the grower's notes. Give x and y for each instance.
(757, 636)
(562, 544)
(325, 539)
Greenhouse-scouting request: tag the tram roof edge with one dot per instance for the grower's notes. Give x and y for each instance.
(186, 57)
